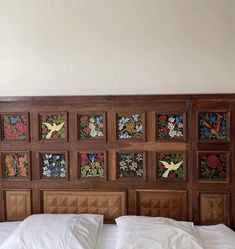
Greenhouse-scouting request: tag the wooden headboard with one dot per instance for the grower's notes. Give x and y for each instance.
(156, 155)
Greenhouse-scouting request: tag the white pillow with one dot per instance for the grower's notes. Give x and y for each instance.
(139, 232)
(56, 231)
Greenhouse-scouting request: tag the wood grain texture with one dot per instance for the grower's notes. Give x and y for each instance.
(108, 203)
(150, 196)
(171, 204)
(18, 204)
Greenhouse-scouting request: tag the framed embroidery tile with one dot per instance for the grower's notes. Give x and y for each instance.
(131, 165)
(171, 166)
(14, 127)
(213, 126)
(92, 165)
(213, 166)
(16, 165)
(53, 127)
(54, 165)
(171, 127)
(91, 126)
(130, 126)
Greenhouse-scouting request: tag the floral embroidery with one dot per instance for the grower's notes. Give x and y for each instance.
(92, 164)
(16, 164)
(54, 165)
(91, 126)
(170, 166)
(130, 165)
(212, 126)
(130, 126)
(15, 127)
(170, 126)
(213, 166)
(53, 127)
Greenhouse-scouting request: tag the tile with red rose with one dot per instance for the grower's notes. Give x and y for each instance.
(213, 165)
(14, 127)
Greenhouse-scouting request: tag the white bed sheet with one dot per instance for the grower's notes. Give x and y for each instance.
(213, 237)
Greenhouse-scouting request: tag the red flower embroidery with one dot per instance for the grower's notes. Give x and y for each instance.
(165, 129)
(222, 174)
(86, 129)
(213, 161)
(9, 133)
(100, 156)
(161, 156)
(222, 157)
(84, 118)
(21, 128)
(171, 175)
(161, 167)
(163, 117)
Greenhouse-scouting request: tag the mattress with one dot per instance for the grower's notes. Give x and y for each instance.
(213, 237)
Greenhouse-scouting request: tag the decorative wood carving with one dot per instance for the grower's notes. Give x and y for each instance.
(147, 194)
(171, 204)
(110, 204)
(214, 208)
(17, 204)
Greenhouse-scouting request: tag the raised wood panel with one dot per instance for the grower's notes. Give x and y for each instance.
(214, 208)
(17, 204)
(171, 204)
(108, 203)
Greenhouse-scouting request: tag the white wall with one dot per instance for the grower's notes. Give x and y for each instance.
(77, 47)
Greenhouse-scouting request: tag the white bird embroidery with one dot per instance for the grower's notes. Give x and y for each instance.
(52, 128)
(170, 167)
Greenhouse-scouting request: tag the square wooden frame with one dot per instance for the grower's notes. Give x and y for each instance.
(228, 158)
(228, 125)
(20, 178)
(66, 178)
(170, 180)
(184, 139)
(131, 179)
(90, 178)
(40, 126)
(1, 127)
(143, 139)
(79, 139)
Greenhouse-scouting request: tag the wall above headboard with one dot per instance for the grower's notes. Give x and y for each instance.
(157, 155)
(62, 47)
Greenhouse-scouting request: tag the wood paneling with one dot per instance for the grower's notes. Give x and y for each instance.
(110, 204)
(204, 202)
(214, 208)
(171, 204)
(18, 204)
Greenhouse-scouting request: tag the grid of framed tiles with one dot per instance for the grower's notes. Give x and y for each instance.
(91, 127)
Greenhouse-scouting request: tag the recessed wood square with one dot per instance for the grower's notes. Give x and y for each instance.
(162, 203)
(214, 208)
(17, 204)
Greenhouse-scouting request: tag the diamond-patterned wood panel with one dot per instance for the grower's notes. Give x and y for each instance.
(214, 208)
(171, 204)
(110, 204)
(18, 204)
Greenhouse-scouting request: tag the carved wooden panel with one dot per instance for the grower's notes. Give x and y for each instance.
(110, 204)
(171, 204)
(18, 204)
(214, 208)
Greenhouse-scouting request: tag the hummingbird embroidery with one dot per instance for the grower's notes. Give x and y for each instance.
(214, 128)
(170, 167)
(52, 128)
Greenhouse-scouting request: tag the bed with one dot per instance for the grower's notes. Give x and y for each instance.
(213, 237)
